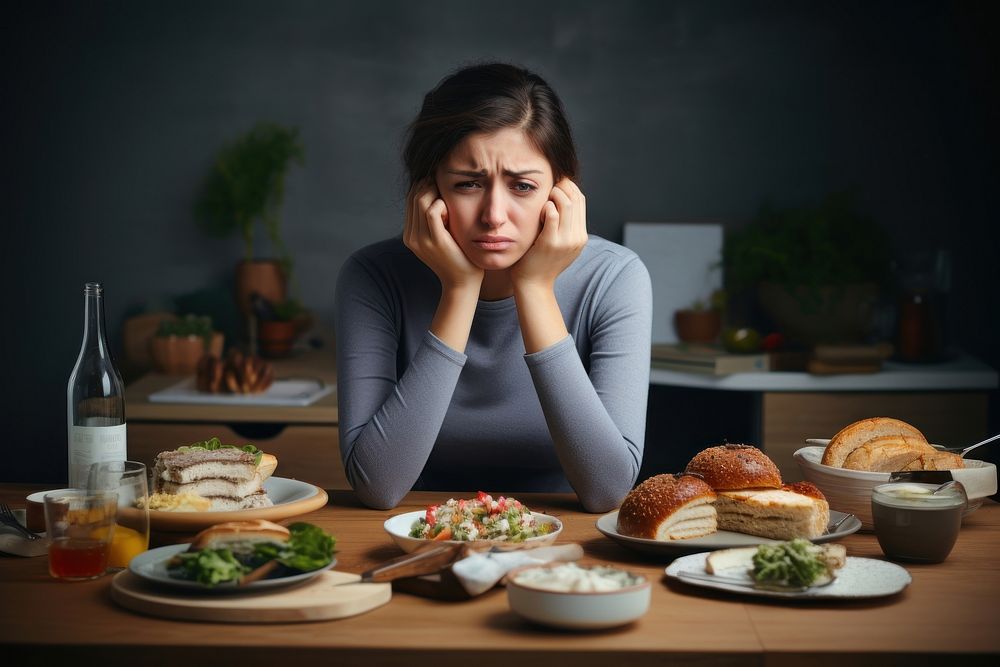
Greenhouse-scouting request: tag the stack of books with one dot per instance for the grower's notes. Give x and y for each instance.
(710, 359)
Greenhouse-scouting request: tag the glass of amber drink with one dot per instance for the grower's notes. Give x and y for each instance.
(128, 479)
(80, 524)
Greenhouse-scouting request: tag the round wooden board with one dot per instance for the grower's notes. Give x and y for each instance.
(330, 595)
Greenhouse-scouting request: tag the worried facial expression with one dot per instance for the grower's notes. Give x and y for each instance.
(494, 186)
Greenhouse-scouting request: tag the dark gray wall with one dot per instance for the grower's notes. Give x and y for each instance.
(685, 110)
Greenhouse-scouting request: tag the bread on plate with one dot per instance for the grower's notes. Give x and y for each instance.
(752, 499)
(668, 507)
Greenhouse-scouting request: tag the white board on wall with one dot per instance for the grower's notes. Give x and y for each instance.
(684, 263)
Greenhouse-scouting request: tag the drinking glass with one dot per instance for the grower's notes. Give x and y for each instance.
(128, 479)
(80, 524)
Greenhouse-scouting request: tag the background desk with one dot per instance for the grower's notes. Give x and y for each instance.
(778, 410)
(305, 439)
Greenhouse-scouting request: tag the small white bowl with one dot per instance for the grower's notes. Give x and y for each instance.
(578, 610)
(399, 527)
(851, 490)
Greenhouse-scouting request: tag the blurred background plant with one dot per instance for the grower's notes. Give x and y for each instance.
(246, 185)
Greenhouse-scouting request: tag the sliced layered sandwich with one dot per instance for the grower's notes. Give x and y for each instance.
(229, 477)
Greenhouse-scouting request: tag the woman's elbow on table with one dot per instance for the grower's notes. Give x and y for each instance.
(372, 493)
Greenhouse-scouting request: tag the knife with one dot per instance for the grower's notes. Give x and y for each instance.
(427, 559)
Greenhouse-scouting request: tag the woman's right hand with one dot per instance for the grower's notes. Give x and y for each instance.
(426, 234)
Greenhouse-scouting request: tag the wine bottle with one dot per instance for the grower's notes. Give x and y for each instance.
(95, 396)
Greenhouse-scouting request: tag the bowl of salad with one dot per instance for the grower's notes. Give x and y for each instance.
(498, 520)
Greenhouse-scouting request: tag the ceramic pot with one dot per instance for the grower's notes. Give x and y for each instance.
(263, 276)
(826, 314)
(179, 355)
(276, 338)
(697, 326)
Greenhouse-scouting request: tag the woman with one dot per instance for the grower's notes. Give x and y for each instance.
(496, 346)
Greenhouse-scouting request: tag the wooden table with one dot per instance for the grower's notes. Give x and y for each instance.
(948, 613)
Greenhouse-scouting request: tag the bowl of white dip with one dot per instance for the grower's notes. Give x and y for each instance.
(579, 597)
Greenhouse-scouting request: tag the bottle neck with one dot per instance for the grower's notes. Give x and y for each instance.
(93, 318)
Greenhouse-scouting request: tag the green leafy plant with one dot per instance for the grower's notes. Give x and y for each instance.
(826, 245)
(189, 325)
(246, 185)
(288, 310)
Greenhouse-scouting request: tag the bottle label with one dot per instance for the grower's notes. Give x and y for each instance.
(93, 444)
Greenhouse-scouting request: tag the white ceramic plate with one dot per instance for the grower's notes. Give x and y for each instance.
(722, 539)
(290, 497)
(291, 392)
(399, 527)
(152, 566)
(859, 578)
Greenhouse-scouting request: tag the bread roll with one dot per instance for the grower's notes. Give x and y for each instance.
(668, 507)
(857, 434)
(731, 467)
(239, 531)
(887, 453)
(937, 460)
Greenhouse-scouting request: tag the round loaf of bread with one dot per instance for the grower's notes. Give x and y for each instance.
(854, 435)
(239, 531)
(667, 507)
(735, 467)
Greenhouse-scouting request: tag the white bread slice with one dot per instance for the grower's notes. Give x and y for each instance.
(253, 501)
(886, 453)
(727, 559)
(693, 519)
(854, 435)
(215, 486)
(781, 514)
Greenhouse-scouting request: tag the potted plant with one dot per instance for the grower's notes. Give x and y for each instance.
(279, 324)
(702, 321)
(245, 187)
(180, 343)
(817, 271)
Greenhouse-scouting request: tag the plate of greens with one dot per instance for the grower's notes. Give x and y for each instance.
(858, 578)
(307, 553)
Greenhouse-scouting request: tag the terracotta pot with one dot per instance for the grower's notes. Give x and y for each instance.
(276, 338)
(179, 355)
(811, 315)
(697, 326)
(263, 276)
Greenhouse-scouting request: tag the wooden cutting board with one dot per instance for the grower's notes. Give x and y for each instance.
(330, 595)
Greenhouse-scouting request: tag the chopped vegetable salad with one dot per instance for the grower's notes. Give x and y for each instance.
(481, 518)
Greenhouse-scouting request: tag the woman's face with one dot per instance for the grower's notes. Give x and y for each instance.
(495, 186)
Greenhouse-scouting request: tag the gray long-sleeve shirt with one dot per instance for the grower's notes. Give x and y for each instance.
(417, 414)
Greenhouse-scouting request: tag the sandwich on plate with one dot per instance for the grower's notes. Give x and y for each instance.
(245, 551)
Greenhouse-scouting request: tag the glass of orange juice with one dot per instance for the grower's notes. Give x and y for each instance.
(131, 535)
(81, 525)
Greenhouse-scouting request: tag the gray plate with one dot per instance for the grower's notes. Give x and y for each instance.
(152, 566)
(722, 539)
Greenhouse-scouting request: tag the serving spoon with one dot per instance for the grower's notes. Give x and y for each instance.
(963, 451)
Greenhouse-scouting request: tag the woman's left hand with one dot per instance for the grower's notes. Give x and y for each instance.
(560, 241)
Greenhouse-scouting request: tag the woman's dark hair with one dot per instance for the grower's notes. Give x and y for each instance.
(488, 98)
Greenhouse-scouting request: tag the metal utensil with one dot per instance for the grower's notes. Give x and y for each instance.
(832, 528)
(963, 451)
(7, 518)
(747, 583)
